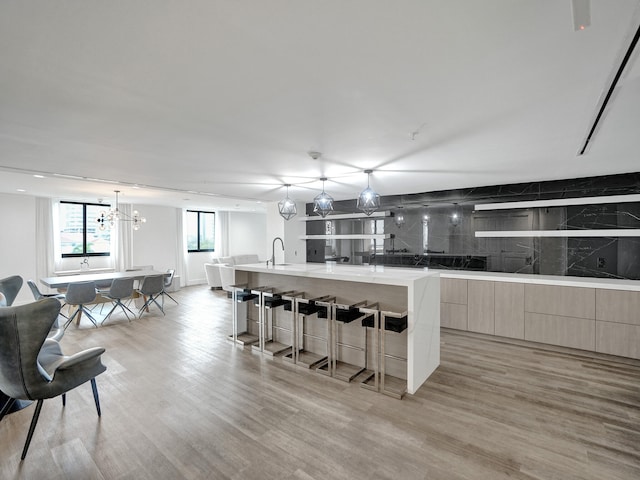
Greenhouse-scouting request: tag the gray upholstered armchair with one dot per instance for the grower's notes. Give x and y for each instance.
(33, 367)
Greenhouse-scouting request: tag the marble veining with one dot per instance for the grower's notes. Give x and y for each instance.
(438, 231)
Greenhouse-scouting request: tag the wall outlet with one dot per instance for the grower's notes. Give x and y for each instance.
(601, 262)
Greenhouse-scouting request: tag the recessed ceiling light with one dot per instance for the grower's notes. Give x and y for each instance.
(39, 176)
(21, 190)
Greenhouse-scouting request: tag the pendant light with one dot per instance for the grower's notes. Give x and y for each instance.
(368, 200)
(287, 207)
(323, 203)
(456, 215)
(398, 217)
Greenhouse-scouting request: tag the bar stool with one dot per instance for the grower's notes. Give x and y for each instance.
(271, 330)
(303, 354)
(371, 323)
(325, 305)
(343, 315)
(290, 306)
(396, 323)
(242, 334)
(256, 293)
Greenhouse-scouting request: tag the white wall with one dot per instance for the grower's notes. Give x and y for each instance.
(156, 243)
(18, 240)
(289, 231)
(247, 232)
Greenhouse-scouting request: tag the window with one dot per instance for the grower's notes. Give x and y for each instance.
(79, 232)
(201, 231)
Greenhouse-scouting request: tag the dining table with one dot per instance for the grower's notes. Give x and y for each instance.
(102, 280)
(63, 281)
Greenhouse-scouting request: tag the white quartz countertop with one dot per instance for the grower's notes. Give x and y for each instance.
(352, 273)
(406, 276)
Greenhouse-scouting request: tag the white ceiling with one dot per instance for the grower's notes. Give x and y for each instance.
(227, 97)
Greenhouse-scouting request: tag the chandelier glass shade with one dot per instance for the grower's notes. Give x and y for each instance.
(287, 207)
(368, 200)
(109, 219)
(323, 203)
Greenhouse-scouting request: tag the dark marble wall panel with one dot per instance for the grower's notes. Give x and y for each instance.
(437, 229)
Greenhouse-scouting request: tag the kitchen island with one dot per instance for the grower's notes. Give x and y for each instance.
(416, 292)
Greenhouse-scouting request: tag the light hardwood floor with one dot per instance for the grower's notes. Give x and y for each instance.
(180, 401)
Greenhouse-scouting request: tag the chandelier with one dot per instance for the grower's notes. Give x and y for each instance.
(114, 215)
(368, 200)
(287, 207)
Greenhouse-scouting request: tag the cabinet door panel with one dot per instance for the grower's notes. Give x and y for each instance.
(618, 306)
(453, 315)
(564, 331)
(509, 309)
(481, 306)
(453, 290)
(562, 301)
(618, 339)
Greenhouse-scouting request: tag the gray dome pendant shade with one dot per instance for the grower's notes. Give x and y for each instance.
(368, 200)
(287, 207)
(323, 203)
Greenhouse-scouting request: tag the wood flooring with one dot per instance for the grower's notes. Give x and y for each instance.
(179, 401)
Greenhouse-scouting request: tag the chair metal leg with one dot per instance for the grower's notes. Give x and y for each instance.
(148, 302)
(94, 387)
(88, 314)
(124, 309)
(118, 303)
(165, 293)
(32, 428)
(155, 300)
(72, 317)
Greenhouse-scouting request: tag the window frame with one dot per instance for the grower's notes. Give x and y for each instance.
(84, 232)
(199, 212)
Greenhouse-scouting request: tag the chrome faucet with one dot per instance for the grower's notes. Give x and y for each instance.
(273, 250)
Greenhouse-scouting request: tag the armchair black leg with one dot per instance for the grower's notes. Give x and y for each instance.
(6, 407)
(64, 399)
(94, 387)
(32, 428)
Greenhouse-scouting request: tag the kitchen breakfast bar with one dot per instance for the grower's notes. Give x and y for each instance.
(339, 328)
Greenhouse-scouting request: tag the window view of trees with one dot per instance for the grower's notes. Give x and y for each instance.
(201, 231)
(79, 232)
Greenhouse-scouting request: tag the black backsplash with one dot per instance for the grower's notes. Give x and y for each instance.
(451, 242)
